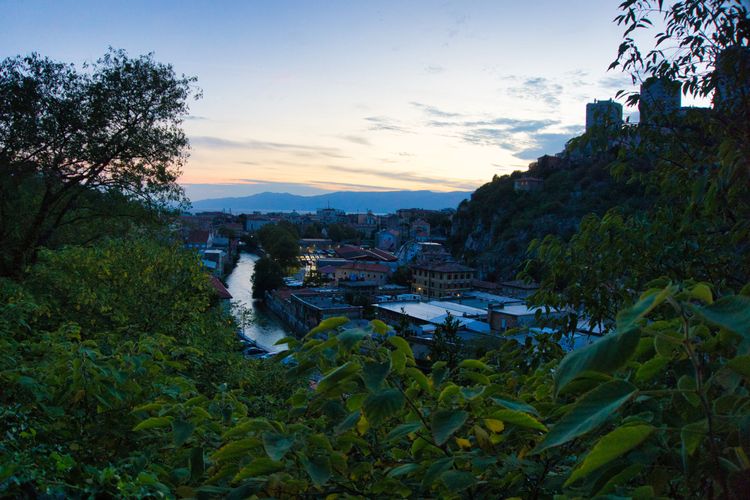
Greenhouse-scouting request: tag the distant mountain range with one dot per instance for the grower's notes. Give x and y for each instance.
(349, 201)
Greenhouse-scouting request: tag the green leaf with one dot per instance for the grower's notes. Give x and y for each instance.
(197, 463)
(620, 478)
(152, 423)
(732, 313)
(421, 379)
(473, 364)
(403, 430)
(379, 327)
(650, 368)
(234, 449)
(329, 324)
(337, 375)
(457, 480)
(589, 411)
(438, 467)
(398, 361)
(691, 436)
(628, 318)
(520, 419)
(471, 393)
(686, 383)
(348, 338)
(383, 404)
(401, 345)
(403, 469)
(276, 445)
(605, 355)
(702, 292)
(613, 445)
(349, 422)
(181, 431)
(445, 423)
(261, 466)
(741, 365)
(373, 374)
(318, 468)
(514, 404)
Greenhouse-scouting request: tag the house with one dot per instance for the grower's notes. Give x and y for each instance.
(387, 239)
(504, 316)
(447, 279)
(528, 184)
(309, 309)
(420, 230)
(199, 239)
(218, 257)
(517, 288)
(221, 292)
(255, 222)
(424, 317)
(362, 271)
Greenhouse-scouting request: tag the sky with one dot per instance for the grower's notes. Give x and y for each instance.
(309, 97)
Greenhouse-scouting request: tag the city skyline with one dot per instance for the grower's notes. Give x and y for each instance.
(311, 98)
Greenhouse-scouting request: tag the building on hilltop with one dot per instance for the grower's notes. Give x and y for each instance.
(603, 115)
(528, 184)
(731, 78)
(660, 99)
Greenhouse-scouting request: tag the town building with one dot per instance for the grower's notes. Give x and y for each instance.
(504, 316)
(447, 279)
(362, 271)
(517, 288)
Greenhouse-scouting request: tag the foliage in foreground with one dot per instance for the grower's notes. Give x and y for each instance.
(97, 338)
(659, 408)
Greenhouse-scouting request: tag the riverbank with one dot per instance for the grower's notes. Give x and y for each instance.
(257, 324)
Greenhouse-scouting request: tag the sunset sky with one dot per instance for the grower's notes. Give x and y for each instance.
(313, 96)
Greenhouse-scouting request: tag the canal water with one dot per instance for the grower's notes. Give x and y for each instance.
(258, 324)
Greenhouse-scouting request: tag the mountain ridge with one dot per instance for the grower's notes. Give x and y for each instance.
(349, 201)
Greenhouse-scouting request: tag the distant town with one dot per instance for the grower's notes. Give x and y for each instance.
(391, 267)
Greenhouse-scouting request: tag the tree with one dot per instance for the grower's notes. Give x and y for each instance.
(112, 127)
(267, 276)
(446, 342)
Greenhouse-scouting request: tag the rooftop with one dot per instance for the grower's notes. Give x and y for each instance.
(221, 290)
(445, 267)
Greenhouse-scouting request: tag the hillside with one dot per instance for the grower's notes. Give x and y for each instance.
(378, 202)
(493, 228)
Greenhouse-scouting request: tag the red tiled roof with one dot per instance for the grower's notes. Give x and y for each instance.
(197, 236)
(383, 255)
(221, 290)
(361, 266)
(327, 269)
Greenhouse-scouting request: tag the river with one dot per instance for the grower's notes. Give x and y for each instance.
(259, 325)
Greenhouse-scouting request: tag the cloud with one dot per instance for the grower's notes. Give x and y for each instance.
(356, 139)
(404, 176)
(297, 149)
(434, 69)
(615, 82)
(433, 111)
(195, 117)
(384, 123)
(549, 143)
(537, 89)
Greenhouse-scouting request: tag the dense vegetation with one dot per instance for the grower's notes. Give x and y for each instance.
(121, 376)
(493, 229)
